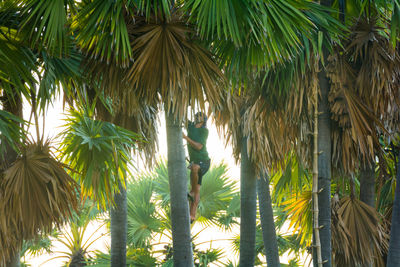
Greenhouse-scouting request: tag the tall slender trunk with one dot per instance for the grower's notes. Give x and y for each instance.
(182, 245)
(267, 222)
(13, 106)
(324, 161)
(367, 185)
(367, 195)
(324, 169)
(119, 228)
(248, 209)
(393, 258)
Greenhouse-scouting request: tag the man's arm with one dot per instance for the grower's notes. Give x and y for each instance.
(194, 144)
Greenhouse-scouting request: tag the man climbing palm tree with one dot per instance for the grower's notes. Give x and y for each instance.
(196, 138)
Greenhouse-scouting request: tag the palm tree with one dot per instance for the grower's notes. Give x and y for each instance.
(35, 65)
(267, 222)
(141, 119)
(231, 31)
(101, 153)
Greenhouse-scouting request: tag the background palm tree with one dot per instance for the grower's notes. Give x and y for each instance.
(267, 221)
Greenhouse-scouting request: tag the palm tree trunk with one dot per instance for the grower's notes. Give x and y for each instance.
(119, 228)
(267, 222)
(367, 185)
(367, 194)
(181, 238)
(324, 169)
(14, 106)
(393, 258)
(248, 209)
(324, 162)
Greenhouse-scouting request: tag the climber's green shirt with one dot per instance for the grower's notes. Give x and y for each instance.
(198, 135)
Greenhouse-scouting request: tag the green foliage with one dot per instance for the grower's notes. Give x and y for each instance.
(37, 246)
(218, 192)
(10, 131)
(135, 257)
(45, 23)
(143, 218)
(98, 152)
(77, 246)
(148, 209)
(102, 31)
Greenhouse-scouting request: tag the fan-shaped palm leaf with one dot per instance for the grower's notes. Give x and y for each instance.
(300, 216)
(143, 220)
(216, 194)
(99, 152)
(16, 61)
(36, 193)
(368, 239)
(45, 24)
(219, 203)
(102, 31)
(186, 70)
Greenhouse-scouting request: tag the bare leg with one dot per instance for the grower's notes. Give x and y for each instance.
(195, 190)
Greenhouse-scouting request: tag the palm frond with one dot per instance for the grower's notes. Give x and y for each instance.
(236, 20)
(11, 132)
(217, 193)
(143, 220)
(36, 194)
(299, 209)
(102, 31)
(363, 93)
(98, 152)
(134, 114)
(45, 23)
(58, 73)
(367, 238)
(186, 71)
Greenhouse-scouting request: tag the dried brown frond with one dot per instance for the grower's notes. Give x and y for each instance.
(167, 61)
(136, 115)
(368, 239)
(37, 194)
(270, 132)
(340, 235)
(364, 94)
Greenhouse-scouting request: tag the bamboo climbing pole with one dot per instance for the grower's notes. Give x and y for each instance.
(317, 240)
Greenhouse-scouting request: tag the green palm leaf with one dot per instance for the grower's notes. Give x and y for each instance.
(45, 24)
(10, 131)
(99, 152)
(102, 31)
(217, 193)
(143, 219)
